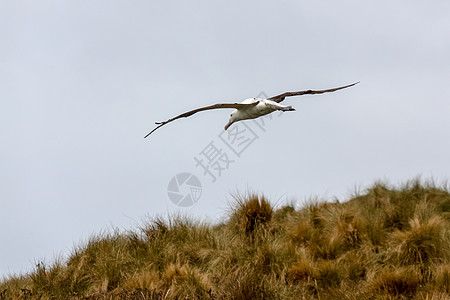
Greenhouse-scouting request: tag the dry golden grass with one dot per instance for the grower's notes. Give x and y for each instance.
(387, 243)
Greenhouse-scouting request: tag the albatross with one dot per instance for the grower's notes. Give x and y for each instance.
(251, 108)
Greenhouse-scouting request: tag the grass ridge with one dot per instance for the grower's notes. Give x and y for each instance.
(385, 243)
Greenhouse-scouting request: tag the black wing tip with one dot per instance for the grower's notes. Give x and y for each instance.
(349, 85)
(150, 132)
(159, 125)
(346, 86)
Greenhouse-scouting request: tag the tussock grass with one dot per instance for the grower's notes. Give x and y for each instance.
(395, 282)
(250, 214)
(385, 243)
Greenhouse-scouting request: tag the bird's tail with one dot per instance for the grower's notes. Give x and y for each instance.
(287, 108)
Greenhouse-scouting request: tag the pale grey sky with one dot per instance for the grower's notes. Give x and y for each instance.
(83, 81)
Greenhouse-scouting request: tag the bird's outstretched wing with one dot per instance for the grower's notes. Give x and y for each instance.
(214, 106)
(281, 97)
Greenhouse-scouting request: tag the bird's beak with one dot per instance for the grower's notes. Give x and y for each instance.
(228, 125)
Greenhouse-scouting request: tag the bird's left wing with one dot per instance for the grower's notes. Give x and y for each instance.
(191, 112)
(281, 97)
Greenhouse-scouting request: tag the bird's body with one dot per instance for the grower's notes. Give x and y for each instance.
(250, 108)
(263, 107)
(256, 109)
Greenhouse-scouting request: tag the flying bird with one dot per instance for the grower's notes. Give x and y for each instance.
(251, 108)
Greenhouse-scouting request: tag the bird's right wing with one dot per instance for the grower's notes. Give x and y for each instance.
(214, 106)
(281, 97)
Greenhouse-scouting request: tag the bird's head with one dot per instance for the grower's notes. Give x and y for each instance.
(234, 117)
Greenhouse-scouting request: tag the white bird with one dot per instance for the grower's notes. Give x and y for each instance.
(251, 108)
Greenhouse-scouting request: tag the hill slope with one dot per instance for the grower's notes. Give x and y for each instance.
(388, 243)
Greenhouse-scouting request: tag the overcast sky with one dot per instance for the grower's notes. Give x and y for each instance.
(82, 82)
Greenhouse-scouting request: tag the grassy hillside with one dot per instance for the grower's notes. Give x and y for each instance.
(387, 243)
